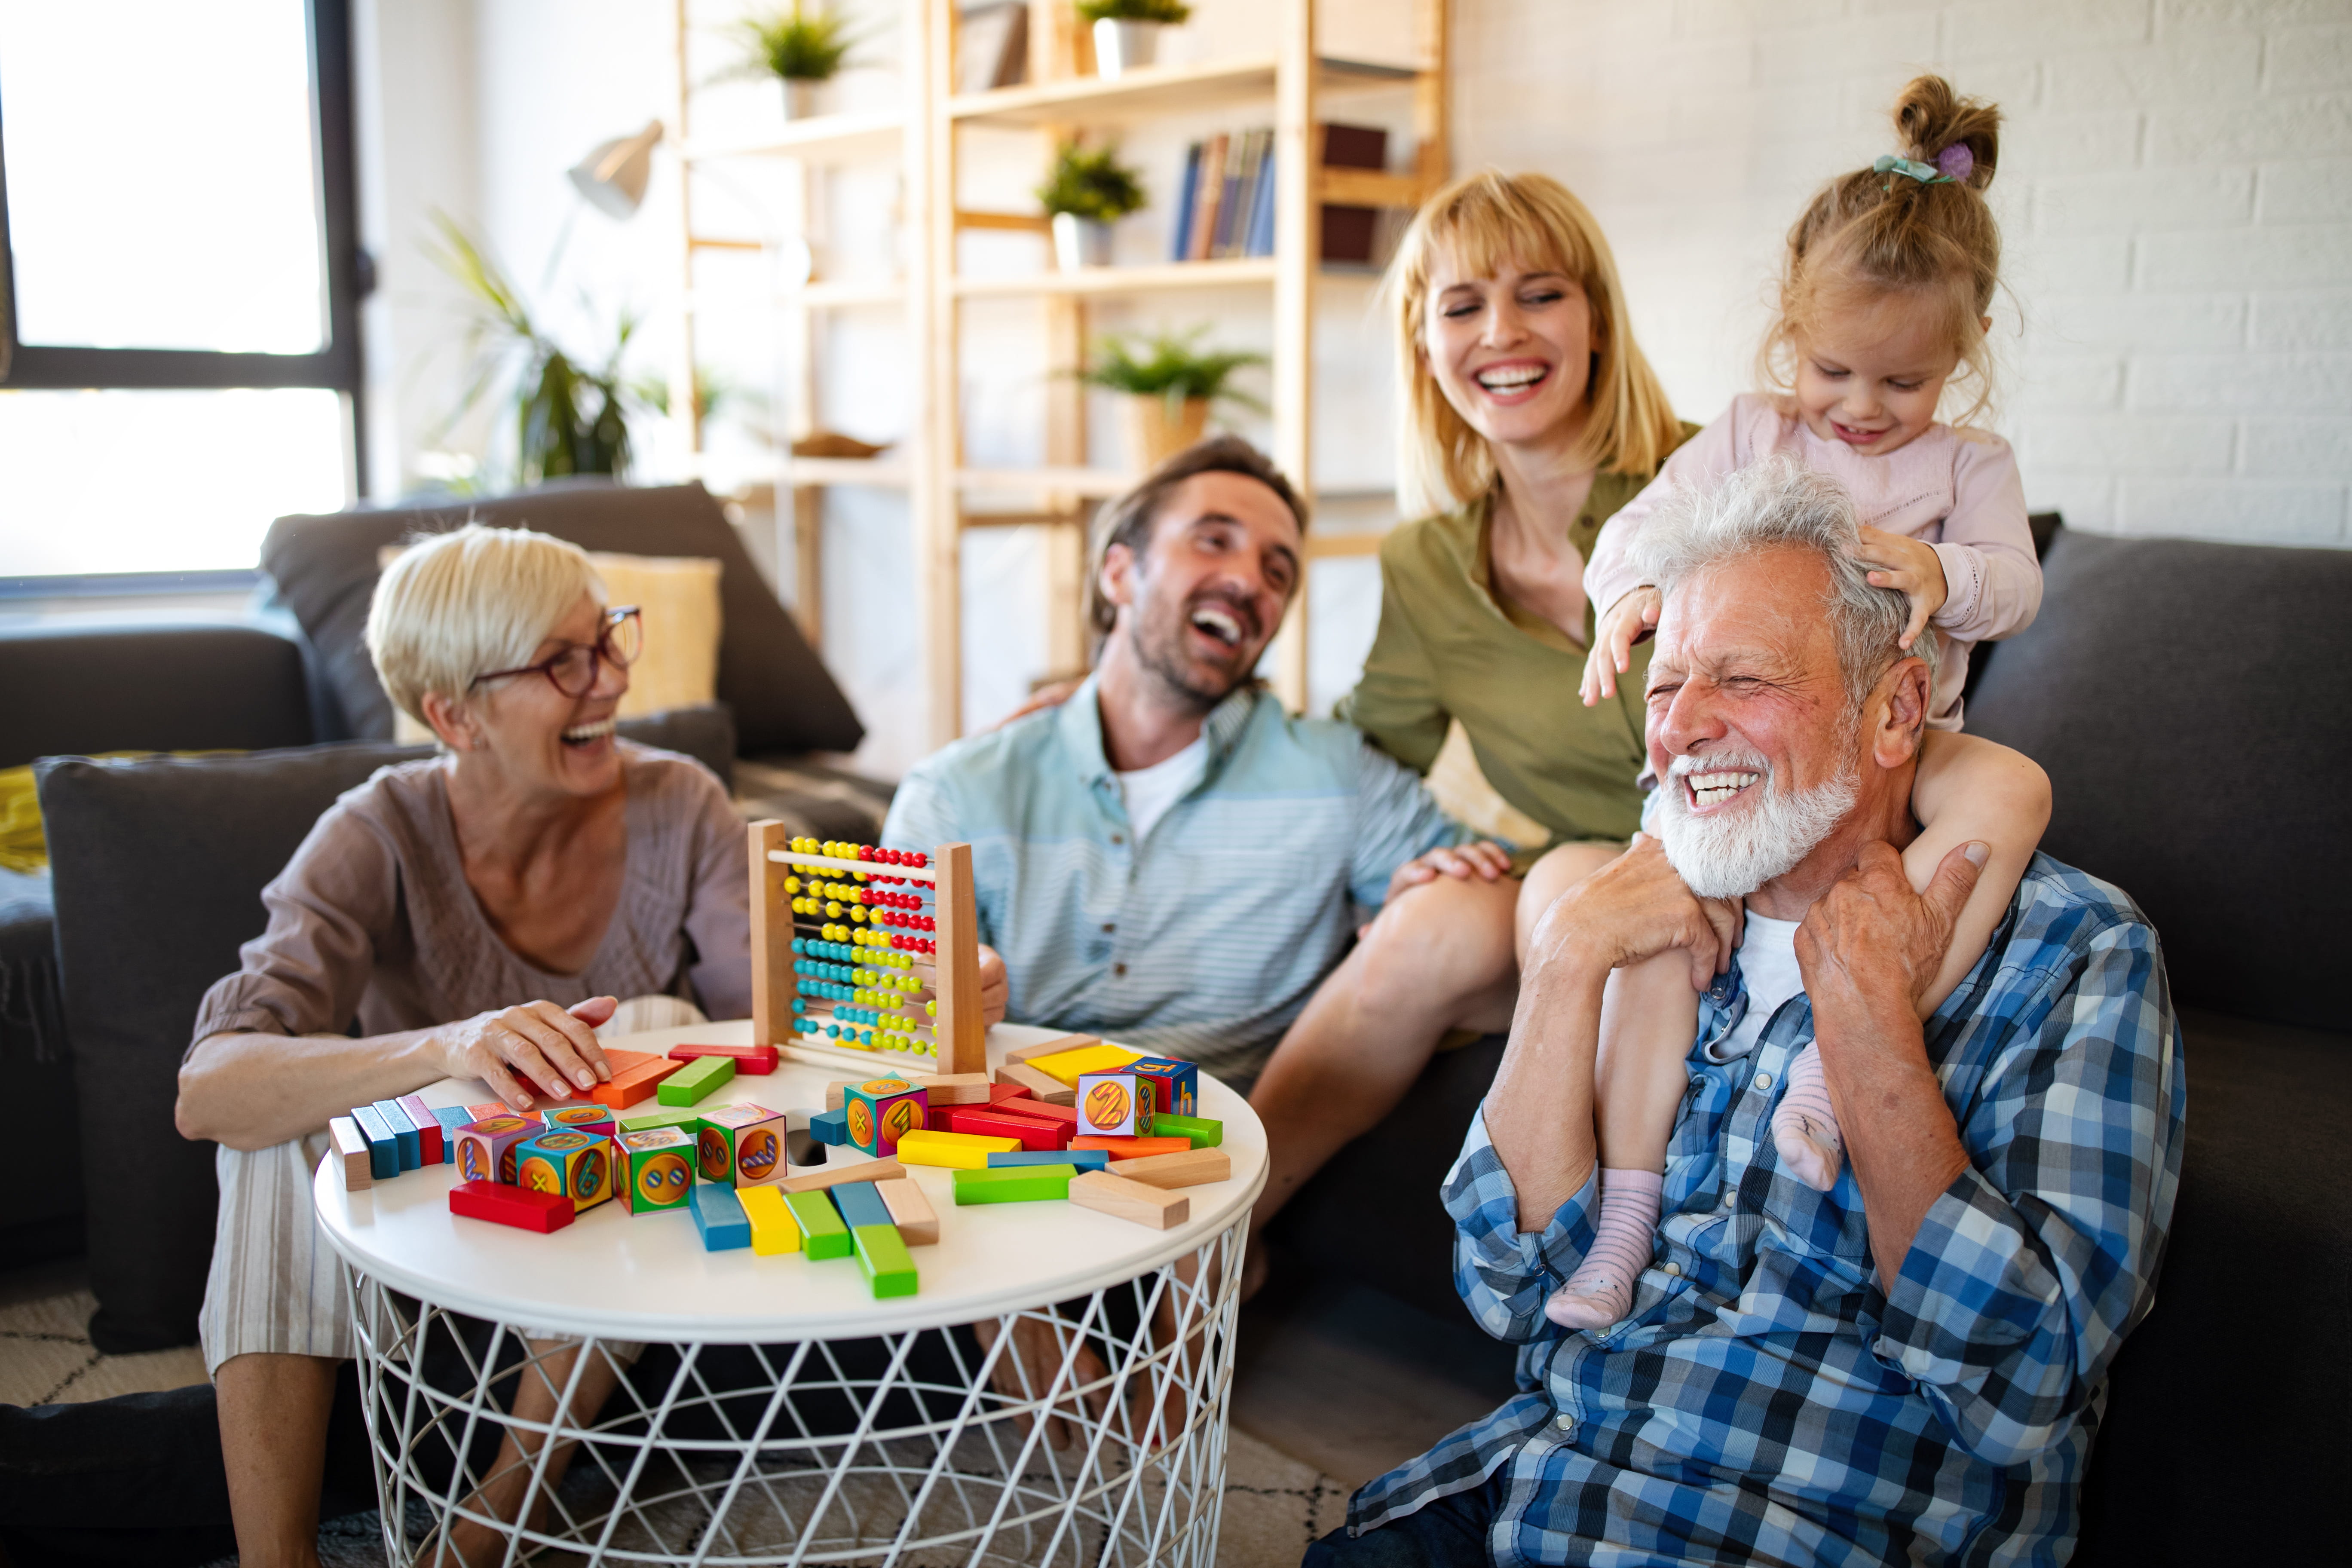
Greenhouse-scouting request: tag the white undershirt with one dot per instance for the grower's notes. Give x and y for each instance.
(1150, 792)
(1768, 967)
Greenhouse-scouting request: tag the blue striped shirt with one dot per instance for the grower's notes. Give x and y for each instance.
(1203, 940)
(1767, 1400)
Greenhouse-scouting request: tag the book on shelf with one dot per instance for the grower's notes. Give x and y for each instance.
(1225, 201)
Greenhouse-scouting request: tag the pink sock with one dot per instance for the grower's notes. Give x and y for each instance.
(1599, 1292)
(1804, 1128)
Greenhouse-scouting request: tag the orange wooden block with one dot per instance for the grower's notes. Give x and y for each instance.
(1133, 1148)
(638, 1081)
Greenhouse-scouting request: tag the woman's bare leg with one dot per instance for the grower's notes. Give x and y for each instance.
(537, 1395)
(1439, 957)
(273, 1420)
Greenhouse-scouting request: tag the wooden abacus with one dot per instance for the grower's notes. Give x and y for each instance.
(844, 937)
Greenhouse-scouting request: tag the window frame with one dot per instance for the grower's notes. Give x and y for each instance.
(336, 365)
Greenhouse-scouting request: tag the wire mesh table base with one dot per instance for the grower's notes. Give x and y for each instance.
(916, 1448)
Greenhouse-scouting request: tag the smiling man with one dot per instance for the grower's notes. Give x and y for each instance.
(1168, 856)
(1909, 1366)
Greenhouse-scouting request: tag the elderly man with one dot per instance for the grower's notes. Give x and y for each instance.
(1168, 856)
(1910, 1366)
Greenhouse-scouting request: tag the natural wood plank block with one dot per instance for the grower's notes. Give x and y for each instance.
(1137, 1201)
(952, 1087)
(910, 1210)
(1193, 1168)
(1040, 1087)
(961, 1033)
(351, 1153)
(834, 1175)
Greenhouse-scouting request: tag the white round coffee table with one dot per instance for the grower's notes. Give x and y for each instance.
(899, 1451)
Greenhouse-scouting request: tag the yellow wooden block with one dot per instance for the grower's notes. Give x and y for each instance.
(956, 1151)
(774, 1229)
(1065, 1065)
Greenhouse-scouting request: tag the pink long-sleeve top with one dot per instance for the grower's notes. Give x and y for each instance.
(1957, 492)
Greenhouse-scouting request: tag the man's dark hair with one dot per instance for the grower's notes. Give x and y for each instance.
(1127, 519)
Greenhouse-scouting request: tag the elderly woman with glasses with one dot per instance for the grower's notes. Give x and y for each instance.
(473, 915)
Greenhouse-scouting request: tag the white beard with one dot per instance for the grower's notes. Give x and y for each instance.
(1730, 855)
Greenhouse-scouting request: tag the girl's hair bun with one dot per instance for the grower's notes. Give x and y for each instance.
(1930, 118)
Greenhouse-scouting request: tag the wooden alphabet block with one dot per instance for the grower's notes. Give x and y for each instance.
(957, 1151)
(1176, 1085)
(485, 1148)
(910, 1210)
(657, 1168)
(1187, 1168)
(881, 1111)
(1106, 1192)
(1114, 1105)
(834, 1175)
(719, 1217)
(577, 1164)
(351, 1154)
(741, 1145)
(515, 1207)
(696, 1081)
(593, 1119)
(1014, 1184)
(774, 1229)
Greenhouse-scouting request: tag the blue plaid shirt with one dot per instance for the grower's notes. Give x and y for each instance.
(1767, 1400)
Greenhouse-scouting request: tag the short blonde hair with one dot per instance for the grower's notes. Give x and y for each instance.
(459, 605)
(1482, 220)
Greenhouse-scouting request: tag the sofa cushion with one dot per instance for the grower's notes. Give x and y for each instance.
(82, 686)
(783, 697)
(2188, 701)
(158, 866)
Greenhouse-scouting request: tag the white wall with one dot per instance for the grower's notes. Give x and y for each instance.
(2175, 192)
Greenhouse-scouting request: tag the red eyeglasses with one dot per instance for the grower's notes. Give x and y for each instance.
(575, 670)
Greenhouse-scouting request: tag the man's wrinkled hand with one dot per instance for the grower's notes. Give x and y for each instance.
(1632, 909)
(1870, 940)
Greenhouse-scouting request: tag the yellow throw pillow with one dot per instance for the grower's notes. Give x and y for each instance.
(677, 603)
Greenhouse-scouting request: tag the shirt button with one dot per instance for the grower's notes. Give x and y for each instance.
(1118, 969)
(1763, 1080)
(1730, 1198)
(1110, 925)
(1674, 1270)
(1119, 838)
(1565, 1423)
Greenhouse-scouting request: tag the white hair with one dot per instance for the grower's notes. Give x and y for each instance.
(459, 604)
(1779, 501)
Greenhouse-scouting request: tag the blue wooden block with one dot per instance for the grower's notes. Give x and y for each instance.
(451, 1118)
(404, 1132)
(719, 1215)
(860, 1203)
(384, 1149)
(832, 1128)
(1084, 1159)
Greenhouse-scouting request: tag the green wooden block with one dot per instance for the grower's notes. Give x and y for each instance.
(1205, 1131)
(1013, 1183)
(687, 1121)
(882, 1254)
(823, 1235)
(692, 1083)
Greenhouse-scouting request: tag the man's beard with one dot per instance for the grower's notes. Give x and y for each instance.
(1162, 647)
(1731, 855)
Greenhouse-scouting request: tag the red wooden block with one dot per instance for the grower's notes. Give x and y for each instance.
(1133, 1148)
(757, 1060)
(1065, 1116)
(517, 1206)
(428, 1126)
(1033, 1133)
(997, 1093)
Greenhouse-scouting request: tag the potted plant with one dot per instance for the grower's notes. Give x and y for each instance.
(1126, 32)
(1089, 190)
(1168, 384)
(802, 48)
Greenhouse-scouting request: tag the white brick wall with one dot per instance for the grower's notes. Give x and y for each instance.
(2175, 193)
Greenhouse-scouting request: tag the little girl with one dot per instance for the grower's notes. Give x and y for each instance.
(1884, 296)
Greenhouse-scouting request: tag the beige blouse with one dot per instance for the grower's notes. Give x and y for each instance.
(372, 922)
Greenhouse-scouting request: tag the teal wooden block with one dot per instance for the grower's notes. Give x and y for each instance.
(823, 1235)
(696, 1081)
(1015, 1185)
(719, 1215)
(1084, 1159)
(882, 1254)
(860, 1204)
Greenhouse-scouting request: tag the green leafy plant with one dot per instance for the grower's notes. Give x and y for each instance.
(1092, 184)
(1167, 365)
(567, 418)
(800, 44)
(1168, 10)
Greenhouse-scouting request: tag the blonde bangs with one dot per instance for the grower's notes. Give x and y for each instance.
(456, 604)
(1481, 221)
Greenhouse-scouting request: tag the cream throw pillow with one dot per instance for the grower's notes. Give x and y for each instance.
(677, 603)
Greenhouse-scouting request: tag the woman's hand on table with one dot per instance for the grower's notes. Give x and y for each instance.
(536, 1048)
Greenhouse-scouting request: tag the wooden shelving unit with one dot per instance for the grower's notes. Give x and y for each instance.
(1061, 98)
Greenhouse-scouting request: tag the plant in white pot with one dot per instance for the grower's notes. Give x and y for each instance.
(1169, 384)
(1126, 32)
(803, 47)
(1088, 191)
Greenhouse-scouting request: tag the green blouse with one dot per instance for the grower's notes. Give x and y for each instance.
(1449, 647)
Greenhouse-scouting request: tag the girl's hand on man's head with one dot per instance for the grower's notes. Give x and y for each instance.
(1633, 616)
(1911, 567)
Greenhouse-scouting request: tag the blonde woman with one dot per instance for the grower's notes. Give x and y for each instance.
(1528, 417)
(474, 915)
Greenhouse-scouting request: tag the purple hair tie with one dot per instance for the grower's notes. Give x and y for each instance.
(1957, 163)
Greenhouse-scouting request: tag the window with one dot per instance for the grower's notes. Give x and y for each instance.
(179, 280)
